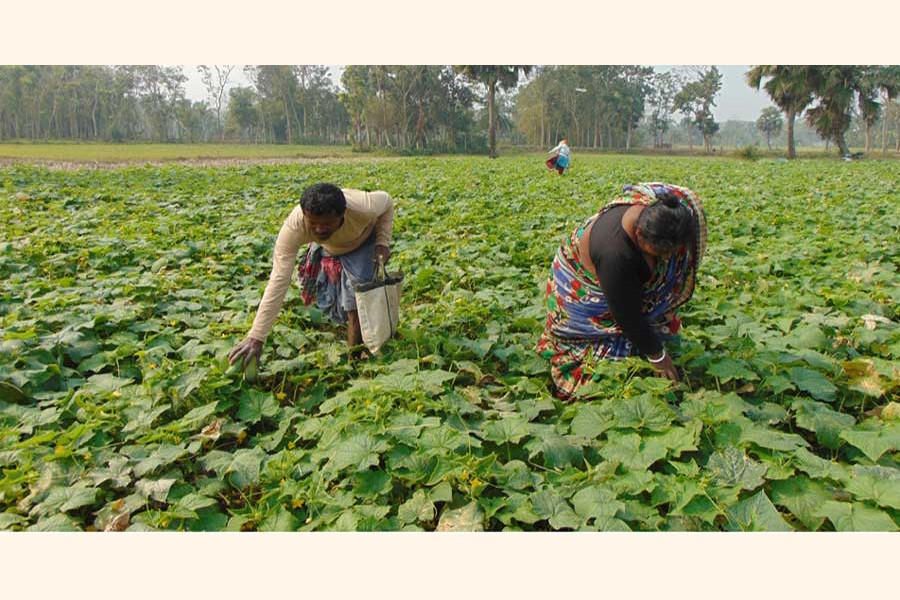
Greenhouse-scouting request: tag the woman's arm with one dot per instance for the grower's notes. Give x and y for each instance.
(624, 295)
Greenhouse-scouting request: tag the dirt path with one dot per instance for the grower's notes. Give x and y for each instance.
(61, 165)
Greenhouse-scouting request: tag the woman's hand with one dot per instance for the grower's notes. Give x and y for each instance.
(665, 367)
(247, 351)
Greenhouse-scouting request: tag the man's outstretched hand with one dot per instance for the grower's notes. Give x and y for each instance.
(246, 351)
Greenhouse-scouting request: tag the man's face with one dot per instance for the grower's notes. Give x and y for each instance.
(323, 226)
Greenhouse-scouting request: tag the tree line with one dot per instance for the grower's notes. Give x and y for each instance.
(434, 108)
(830, 96)
(284, 104)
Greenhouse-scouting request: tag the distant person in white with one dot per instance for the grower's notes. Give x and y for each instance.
(562, 154)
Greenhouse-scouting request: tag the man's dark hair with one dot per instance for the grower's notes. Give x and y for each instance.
(667, 223)
(323, 200)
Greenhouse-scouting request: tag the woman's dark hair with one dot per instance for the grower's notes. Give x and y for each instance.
(667, 223)
(323, 200)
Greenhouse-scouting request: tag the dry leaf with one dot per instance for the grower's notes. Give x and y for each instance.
(119, 523)
(871, 321)
(888, 412)
(212, 431)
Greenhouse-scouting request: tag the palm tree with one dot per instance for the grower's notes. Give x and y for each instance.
(834, 87)
(888, 81)
(769, 122)
(493, 76)
(869, 108)
(788, 88)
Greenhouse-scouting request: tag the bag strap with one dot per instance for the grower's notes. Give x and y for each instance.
(381, 276)
(380, 270)
(387, 301)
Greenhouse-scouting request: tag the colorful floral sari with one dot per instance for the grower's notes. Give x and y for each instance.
(580, 328)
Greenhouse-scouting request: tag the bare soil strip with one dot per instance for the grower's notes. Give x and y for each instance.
(191, 162)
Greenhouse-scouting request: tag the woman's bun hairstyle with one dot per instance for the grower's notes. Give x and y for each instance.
(667, 223)
(669, 200)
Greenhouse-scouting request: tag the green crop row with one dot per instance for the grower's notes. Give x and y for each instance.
(122, 291)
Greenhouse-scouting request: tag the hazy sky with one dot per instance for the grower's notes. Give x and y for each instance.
(735, 101)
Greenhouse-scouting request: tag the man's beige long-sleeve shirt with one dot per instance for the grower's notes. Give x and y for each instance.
(365, 211)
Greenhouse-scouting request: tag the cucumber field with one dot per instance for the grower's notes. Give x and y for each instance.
(122, 291)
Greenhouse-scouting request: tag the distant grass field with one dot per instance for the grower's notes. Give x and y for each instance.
(77, 152)
(89, 152)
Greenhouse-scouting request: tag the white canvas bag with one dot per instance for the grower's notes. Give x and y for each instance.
(378, 303)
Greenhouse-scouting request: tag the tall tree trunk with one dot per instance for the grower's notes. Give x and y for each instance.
(94, 111)
(36, 117)
(403, 130)
(543, 117)
(628, 135)
(73, 123)
(492, 125)
(300, 123)
(842, 144)
(384, 122)
(305, 124)
(792, 150)
(868, 137)
(897, 141)
(263, 127)
(287, 118)
(884, 115)
(420, 127)
(53, 119)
